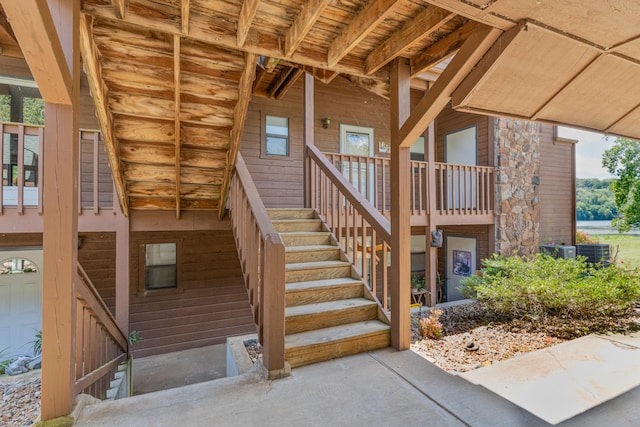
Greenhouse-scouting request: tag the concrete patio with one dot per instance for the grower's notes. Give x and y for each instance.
(391, 388)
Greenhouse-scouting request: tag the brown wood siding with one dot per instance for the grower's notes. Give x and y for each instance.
(97, 255)
(18, 240)
(557, 189)
(280, 179)
(105, 179)
(450, 120)
(212, 306)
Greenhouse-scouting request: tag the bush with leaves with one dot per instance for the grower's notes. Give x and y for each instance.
(542, 286)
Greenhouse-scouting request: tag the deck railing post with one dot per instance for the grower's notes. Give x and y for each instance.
(273, 305)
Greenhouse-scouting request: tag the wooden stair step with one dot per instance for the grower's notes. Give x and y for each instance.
(291, 213)
(306, 238)
(321, 315)
(314, 291)
(297, 254)
(329, 343)
(304, 271)
(284, 225)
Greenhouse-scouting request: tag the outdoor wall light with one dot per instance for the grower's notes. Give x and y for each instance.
(326, 122)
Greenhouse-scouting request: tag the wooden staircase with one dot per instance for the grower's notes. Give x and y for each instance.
(329, 311)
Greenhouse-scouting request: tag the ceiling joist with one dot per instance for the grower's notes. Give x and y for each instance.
(475, 12)
(429, 20)
(92, 67)
(311, 12)
(176, 101)
(185, 10)
(120, 7)
(6, 28)
(247, 13)
(365, 22)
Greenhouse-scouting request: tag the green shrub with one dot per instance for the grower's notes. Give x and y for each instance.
(544, 286)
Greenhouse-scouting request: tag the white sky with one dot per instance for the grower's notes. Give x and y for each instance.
(589, 151)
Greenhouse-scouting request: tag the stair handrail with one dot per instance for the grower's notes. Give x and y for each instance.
(261, 252)
(359, 227)
(100, 343)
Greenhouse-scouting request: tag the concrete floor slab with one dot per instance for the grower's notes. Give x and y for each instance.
(559, 382)
(352, 391)
(178, 369)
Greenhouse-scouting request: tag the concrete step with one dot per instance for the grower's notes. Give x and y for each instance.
(314, 291)
(312, 253)
(315, 346)
(321, 315)
(305, 271)
(291, 213)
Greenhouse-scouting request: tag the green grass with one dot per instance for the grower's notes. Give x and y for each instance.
(628, 247)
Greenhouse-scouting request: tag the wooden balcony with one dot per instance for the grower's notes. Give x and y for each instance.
(21, 192)
(463, 194)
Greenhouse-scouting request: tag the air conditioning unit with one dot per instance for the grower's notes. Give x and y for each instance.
(595, 253)
(559, 251)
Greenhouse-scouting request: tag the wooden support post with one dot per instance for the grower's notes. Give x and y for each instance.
(60, 239)
(309, 131)
(432, 253)
(122, 269)
(400, 214)
(273, 308)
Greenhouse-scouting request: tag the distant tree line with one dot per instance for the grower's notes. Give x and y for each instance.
(595, 199)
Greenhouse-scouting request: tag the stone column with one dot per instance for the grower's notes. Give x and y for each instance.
(517, 163)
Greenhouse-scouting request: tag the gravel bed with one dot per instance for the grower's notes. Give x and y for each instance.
(20, 399)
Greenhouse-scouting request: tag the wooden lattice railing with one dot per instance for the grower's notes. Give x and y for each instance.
(262, 257)
(362, 231)
(100, 345)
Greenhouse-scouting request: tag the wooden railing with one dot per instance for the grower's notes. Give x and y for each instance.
(362, 231)
(262, 256)
(100, 345)
(464, 194)
(22, 160)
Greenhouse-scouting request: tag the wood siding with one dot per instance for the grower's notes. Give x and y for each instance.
(97, 255)
(557, 189)
(213, 303)
(280, 179)
(450, 120)
(20, 240)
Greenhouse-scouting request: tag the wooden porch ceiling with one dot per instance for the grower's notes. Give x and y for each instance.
(172, 78)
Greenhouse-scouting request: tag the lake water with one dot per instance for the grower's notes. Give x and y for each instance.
(600, 227)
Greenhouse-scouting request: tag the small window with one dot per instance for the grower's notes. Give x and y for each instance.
(160, 266)
(277, 136)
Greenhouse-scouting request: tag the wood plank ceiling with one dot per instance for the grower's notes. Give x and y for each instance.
(172, 79)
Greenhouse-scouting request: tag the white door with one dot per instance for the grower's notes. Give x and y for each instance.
(461, 255)
(358, 141)
(460, 148)
(20, 300)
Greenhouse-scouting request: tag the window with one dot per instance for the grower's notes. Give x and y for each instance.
(277, 136)
(160, 266)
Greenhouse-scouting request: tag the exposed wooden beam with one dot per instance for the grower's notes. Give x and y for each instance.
(366, 21)
(442, 49)
(176, 102)
(264, 44)
(247, 13)
(474, 12)
(6, 28)
(374, 86)
(310, 13)
(11, 50)
(240, 115)
(293, 77)
(120, 7)
(426, 22)
(90, 56)
(185, 12)
(439, 95)
(36, 33)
